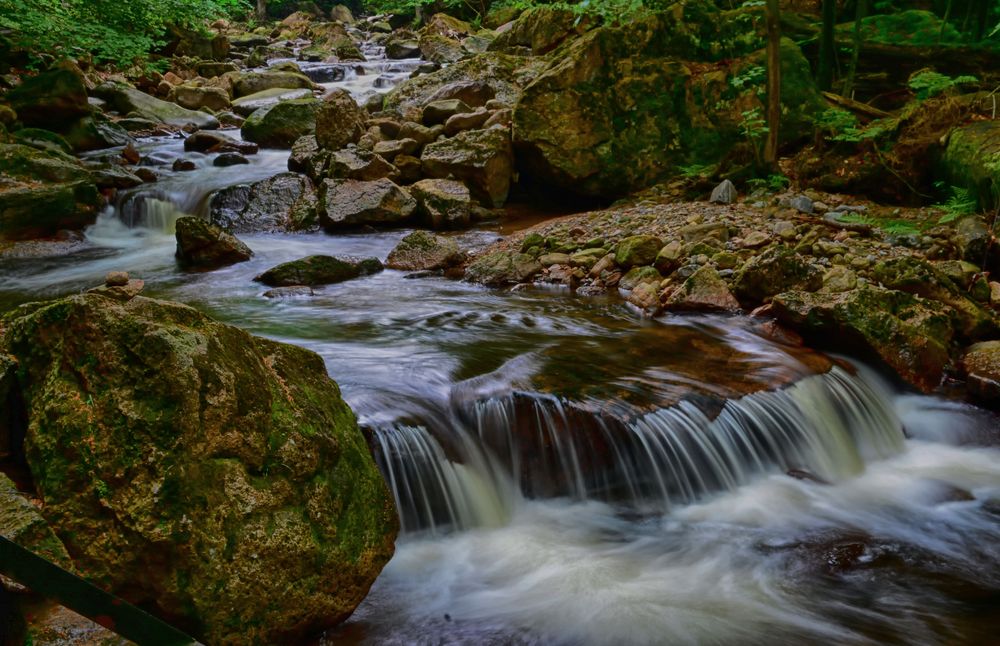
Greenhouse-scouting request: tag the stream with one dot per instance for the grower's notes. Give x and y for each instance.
(567, 472)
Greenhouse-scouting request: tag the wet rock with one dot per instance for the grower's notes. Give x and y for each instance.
(348, 202)
(901, 329)
(638, 275)
(339, 121)
(116, 279)
(319, 270)
(229, 159)
(724, 193)
(94, 133)
(422, 250)
(645, 296)
(205, 246)
(245, 106)
(443, 203)
(210, 141)
(637, 250)
(282, 124)
(483, 159)
(183, 165)
(185, 423)
(196, 98)
(981, 366)
(132, 102)
(776, 270)
(503, 268)
(211, 69)
(254, 82)
(271, 204)
(917, 276)
(289, 292)
(402, 48)
(355, 163)
(704, 291)
(42, 139)
(114, 176)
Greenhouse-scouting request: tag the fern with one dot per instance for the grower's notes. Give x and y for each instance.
(928, 83)
(960, 202)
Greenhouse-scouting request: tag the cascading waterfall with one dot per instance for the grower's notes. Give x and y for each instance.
(537, 446)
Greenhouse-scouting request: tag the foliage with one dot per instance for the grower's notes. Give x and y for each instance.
(753, 127)
(927, 83)
(772, 183)
(960, 202)
(696, 171)
(111, 31)
(751, 76)
(890, 226)
(840, 125)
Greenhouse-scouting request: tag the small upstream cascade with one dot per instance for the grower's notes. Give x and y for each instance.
(503, 449)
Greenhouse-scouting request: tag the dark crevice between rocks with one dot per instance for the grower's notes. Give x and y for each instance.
(13, 427)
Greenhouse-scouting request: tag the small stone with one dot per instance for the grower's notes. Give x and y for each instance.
(550, 259)
(724, 193)
(184, 165)
(755, 239)
(821, 207)
(230, 159)
(995, 293)
(130, 154)
(784, 229)
(802, 204)
(116, 279)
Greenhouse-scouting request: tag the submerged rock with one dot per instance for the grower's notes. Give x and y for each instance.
(318, 270)
(215, 478)
(206, 246)
(422, 250)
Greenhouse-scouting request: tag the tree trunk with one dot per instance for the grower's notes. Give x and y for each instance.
(827, 46)
(261, 10)
(773, 83)
(944, 21)
(852, 70)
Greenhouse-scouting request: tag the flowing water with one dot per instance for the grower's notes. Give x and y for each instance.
(567, 472)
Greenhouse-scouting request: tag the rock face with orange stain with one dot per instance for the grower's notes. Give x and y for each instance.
(214, 477)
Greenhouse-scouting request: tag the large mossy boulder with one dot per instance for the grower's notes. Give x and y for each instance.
(483, 159)
(249, 104)
(42, 192)
(540, 29)
(280, 125)
(51, 100)
(972, 160)
(21, 523)
(501, 268)
(127, 100)
(213, 477)
(620, 108)
(255, 82)
(778, 269)
(339, 121)
(422, 250)
(910, 334)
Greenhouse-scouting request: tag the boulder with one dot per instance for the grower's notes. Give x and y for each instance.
(21, 522)
(43, 192)
(205, 246)
(254, 82)
(400, 48)
(282, 124)
(981, 366)
(633, 278)
(249, 104)
(540, 29)
(638, 250)
(904, 331)
(703, 291)
(456, 123)
(503, 268)
(440, 49)
(215, 99)
(95, 133)
(306, 157)
(724, 193)
(342, 14)
(127, 100)
(969, 160)
(42, 140)
(212, 69)
(319, 270)
(441, 24)
(348, 202)
(280, 203)
(474, 94)
(483, 159)
(443, 203)
(229, 159)
(212, 141)
(621, 107)
(50, 100)
(223, 467)
(439, 111)
(339, 121)
(778, 269)
(422, 250)
(919, 277)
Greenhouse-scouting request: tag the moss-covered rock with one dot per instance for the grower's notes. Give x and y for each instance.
(339, 121)
(972, 160)
(21, 523)
(280, 125)
(981, 365)
(632, 278)
(128, 100)
(703, 291)
(637, 250)
(540, 29)
(286, 201)
(249, 104)
(42, 139)
(443, 203)
(423, 250)
(95, 133)
(777, 270)
(906, 332)
(620, 108)
(254, 82)
(216, 478)
(43, 191)
(350, 203)
(319, 270)
(50, 100)
(503, 268)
